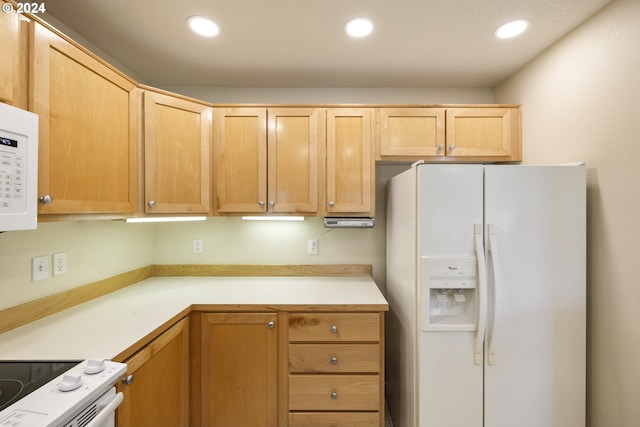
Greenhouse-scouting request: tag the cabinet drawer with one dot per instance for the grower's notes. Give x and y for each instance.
(334, 392)
(328, 358)
(334, 327)
(334, 419)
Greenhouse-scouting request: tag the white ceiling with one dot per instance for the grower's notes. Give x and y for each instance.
(301, 43)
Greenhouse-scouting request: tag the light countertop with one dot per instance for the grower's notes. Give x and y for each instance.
(106, 326)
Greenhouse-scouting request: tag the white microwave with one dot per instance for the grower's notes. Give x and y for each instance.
(18, 169)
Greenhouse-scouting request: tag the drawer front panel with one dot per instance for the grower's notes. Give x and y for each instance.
(338, 358)
(334, 419)
(334, 393)
(334, 327)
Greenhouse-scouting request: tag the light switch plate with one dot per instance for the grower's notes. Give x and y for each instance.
(39, 268)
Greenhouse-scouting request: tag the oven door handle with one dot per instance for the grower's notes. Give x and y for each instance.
(107, 410)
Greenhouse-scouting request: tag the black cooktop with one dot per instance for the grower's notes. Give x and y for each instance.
(19, 378)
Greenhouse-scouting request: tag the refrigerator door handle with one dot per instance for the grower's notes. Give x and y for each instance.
(491, 330)
(482, 296)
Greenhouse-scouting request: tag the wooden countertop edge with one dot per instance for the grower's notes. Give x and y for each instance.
(19, 315)
(239, 270)
(230, 308)
(315, 308)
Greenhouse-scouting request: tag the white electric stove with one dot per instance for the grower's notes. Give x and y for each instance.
(59, 394)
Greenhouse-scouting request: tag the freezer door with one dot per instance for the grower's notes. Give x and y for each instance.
(535, 348)
(450, 382)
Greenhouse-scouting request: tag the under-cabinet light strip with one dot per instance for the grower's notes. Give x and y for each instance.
(167, 219)
(273, 218)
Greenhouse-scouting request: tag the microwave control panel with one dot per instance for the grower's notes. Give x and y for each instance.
(13, 156)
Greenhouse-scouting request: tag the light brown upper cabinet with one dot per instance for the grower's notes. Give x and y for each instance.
(490, 133)
(14, 48)
(88, 135)
(350, 163)
(411, 132)
(177, 135)
(461, 134)
(267, 159)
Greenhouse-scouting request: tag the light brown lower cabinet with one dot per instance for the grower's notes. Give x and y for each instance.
(336, 369)
(260, 369)
(238, 370)
(158, 393)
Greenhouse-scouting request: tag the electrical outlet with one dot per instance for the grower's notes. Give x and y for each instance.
(39, 268)
(312, 246)
(197, 246)
(59, 264)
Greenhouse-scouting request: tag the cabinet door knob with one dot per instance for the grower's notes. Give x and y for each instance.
(271, 325)
(46, 199)
(272, 203)
(334, 329)
(127, 380)
(452, 147)
(441, 147)
(334, 394)
(152, 203)
(332, 203)
(334, 360)
(261, 203)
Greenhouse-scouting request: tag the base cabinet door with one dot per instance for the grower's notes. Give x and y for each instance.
(239, 371)
(158, 392)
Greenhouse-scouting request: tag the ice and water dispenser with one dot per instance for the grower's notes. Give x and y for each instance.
(449, 294)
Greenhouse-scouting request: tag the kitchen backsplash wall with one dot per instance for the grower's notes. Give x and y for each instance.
(100, 249)
(95, 250)
(234, 241)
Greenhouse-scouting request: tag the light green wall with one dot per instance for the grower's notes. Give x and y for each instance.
(95, 250)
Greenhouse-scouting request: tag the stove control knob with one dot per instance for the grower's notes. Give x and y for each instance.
(94, 366)
(70, 382)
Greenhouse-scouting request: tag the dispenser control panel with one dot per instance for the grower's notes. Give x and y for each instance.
(448, 293)
(450, 273)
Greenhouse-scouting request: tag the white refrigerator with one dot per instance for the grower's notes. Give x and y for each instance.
(486, 283)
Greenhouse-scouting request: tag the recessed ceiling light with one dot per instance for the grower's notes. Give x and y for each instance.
(203, 26)
(512, 28)
(359, 27)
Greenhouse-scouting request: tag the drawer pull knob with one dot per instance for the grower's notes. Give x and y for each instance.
(271, 325)
(334, 394)
(46, 199)
(128, 380)
(334, 329)
(334, 360)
